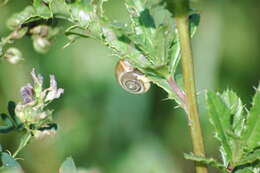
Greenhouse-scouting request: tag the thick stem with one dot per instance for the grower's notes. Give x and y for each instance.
(190, 91)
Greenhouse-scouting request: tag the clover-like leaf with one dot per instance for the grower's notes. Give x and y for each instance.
(9, 162)
(8, 124)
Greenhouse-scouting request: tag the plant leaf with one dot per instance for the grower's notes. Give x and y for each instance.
(68, 166)
(206, 161)
(194, 20)
(9, 162)
(219, 116)
(8, 124)
(248, 168)
(250, 158)
(5, 129)
(152, 30)
(11, 108)
(252, 131)
(6, 120)
(245, 170)
(42, 10)
(235, 105)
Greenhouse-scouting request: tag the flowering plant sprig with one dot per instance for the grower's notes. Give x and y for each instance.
(31, 115)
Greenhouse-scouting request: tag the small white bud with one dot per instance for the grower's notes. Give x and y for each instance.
(13, 55)
(40, 44)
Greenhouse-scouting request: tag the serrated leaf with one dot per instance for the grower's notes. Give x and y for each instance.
(152, 30)
(219, 116)
(248, 168)
(252, 132)
(124, 49)
(206, 161)
(68, 166)
(30, 13)
(245, 170)
(251, 157)
(165, 85)
(235, 105)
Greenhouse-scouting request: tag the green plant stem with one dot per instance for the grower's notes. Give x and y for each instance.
(190, 91)
(24, 141)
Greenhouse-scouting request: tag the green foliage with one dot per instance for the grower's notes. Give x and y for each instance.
(8, 161)
(10, 122)
(236, 129)
(206, 161)
(148, 41)
(9, 164)
(251, 134)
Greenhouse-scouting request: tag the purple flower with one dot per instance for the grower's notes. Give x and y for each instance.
(27, 93)
(37, 79)
(35, 99)
(53, 92)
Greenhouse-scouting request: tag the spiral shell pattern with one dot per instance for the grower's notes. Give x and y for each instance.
(131, 79)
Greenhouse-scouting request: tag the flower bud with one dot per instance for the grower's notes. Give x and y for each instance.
(40, 30)
(40, 44)
(19, 33)
(40, 134)
(20, 113)
(13, 55)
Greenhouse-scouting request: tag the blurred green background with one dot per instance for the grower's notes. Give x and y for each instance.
(109, 130)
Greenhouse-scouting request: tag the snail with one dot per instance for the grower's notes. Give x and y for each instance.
(131, 79)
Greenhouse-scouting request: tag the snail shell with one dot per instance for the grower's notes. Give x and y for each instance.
(131, 79)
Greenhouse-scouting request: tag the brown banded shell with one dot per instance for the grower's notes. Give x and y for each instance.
(131, 79)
